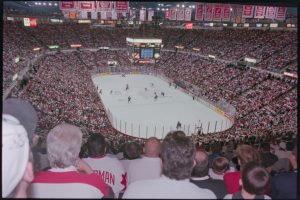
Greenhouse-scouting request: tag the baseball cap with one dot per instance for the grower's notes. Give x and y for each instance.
(24, 112)
(15, 153)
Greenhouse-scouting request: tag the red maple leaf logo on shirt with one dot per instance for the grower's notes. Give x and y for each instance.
(124, 181)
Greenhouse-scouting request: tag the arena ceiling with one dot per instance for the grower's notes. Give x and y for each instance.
(48, 7)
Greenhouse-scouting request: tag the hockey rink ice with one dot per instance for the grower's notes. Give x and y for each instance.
(144, 116)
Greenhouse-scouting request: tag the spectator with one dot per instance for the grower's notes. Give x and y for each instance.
(178, 153)
(201, 178)
(254, 181)
(149, 166)
(132, 151)
(284, 185)
(109, 168)
(69, 177)
(17, 168)
(267, 158)
(219, 167)
(245, 154)
(215, 152)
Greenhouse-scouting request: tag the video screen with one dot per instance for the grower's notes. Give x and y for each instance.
(146, 53)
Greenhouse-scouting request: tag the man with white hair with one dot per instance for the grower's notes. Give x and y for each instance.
(17, 170)
(69, 177)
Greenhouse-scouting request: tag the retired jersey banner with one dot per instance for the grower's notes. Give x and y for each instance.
(150, 14)
(87, 5)
(114, 15)
(180, 14)
(188, 14)
(173, 14)
(122, 6)
(104, 5)
(142, 15)
(167, 14)
(248, 11)
(94, 15)
(271, 12)
(218, 12)
(226, 13)
(281, 12)
(208, 12)
(259, 12)
(82, 14)
(199, 12)
(68, 5)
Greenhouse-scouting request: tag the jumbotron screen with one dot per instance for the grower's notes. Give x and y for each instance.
(146, 53)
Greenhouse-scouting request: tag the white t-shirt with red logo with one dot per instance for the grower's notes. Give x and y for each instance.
(111, 171)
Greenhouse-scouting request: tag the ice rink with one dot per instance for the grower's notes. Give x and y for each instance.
(144, 116)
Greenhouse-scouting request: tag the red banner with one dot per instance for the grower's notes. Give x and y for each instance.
(247, 11)
(218, 12)
(281, 12)
(104, 6)
(173, 14)
(199, 12)
(180, 14)
(271, 12)
(189, 25)
(87, 5)
(68, 5)
(226, 13)
(259, 12)
(167, 14)
(208, 12)
(121, 6)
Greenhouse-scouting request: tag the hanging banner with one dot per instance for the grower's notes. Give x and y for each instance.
(142, 15)
(104, 6)
(259, 12)
(167, 14)
(72, 14)
(208, 12)
(248, 11)
(173, 14)
(237, 13)
(87, 5)
(150, 14)
(199, 12)
(180, 14)
(82, 14)
(114, 15)
(121, 6)
(218, 12)
(271, 12)
(68, 5)
(94, 15)
(226, 13)
(281, 12)
(188, 14)
(132, 14)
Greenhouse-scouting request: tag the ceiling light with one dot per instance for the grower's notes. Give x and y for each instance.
(193, 6)
(50, 4)
(55, 4)
(183, 6)
(35, 3)
(158, 9)
(44, 4)
(177, 5)
(163, 9)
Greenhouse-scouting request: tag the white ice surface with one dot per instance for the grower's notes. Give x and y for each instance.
(145, 116)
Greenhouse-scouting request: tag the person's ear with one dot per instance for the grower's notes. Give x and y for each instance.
(28, 174)
(240, 182)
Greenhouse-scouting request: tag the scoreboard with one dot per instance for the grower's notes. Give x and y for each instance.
(143, 50)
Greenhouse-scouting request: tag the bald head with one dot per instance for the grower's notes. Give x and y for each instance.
(152, 147)
(201, 167)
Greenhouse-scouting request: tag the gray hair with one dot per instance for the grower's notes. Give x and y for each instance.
(63, 145)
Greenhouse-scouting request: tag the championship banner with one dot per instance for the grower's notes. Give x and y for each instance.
(226, 13)
(208, 12)
(281, 12)
(142, 15)
(218, 12)
(180, 14)
(114, 15)
(247, 11)
(106, 15)
(167, 14)
(104, 6)
(173, 14)
(87, 5)
(188, 14)
(199, 12)
(68, 5)
(259, 12)
(121, 6)
(150, 14)
(82, 14)
(271, 12)
(94, 15)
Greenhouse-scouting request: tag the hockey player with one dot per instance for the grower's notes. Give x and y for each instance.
(129, 99)
(155, 97)
(178, 126)
(145, 89)
(111, 92)
(127, 87)
(162, 93)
